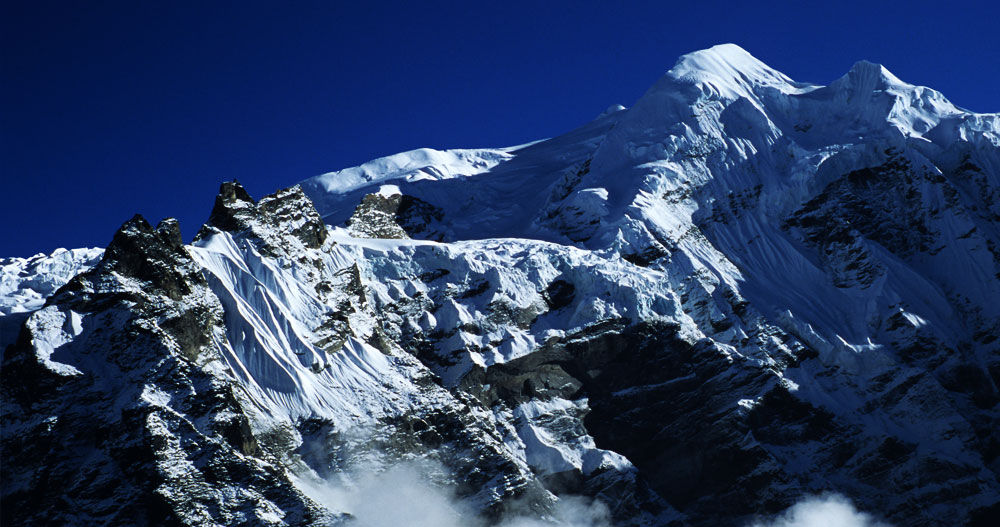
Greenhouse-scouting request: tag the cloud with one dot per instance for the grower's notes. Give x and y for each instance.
(569, 511)
(829, 510)
(402, 495)
(407, 494)
(411, 494)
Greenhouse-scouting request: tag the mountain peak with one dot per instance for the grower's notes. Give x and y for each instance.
(727, 67)
(728, 52)
(871, 75)
(866, 77)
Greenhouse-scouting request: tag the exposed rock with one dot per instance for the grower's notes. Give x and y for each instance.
(115, 410)
(395, 216)
(287, 211)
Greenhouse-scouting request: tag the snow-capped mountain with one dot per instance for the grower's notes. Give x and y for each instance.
(738, 292)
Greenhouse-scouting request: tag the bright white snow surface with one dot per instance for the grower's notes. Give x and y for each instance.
(720, 134)
(415, 165)
(25, 283)
(468, 183)
(720, 124)
(269, 314)
(272, 312)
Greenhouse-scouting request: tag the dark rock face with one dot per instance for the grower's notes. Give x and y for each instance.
(123, 425)
(285, 212)
(854, 208)
(152, 255)
(291, 207)
(667, 406)
(396, 216)
(233, 208)
(660, 402)
(899, 207)
(559, 294)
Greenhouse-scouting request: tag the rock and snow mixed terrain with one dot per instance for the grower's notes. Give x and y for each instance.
(739, 292)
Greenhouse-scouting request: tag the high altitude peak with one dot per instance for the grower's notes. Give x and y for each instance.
(874, 69)
(728, 67)
(865, 75)
(728, 50)
(717, 59)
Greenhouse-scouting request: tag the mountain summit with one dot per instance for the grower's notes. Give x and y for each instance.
(737, 293)
(729, 69)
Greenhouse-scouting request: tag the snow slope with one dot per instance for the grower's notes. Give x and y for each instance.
(25, 283)
(858, 219)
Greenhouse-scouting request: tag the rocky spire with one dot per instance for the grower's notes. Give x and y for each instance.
(286, 211)
(153, 255)
(232, 211)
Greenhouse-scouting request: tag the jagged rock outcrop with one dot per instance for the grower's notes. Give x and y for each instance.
(334, 390)
(394, 215)
(272, 220)
(118, 411)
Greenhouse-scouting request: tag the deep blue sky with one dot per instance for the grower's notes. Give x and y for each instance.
(111, 108)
